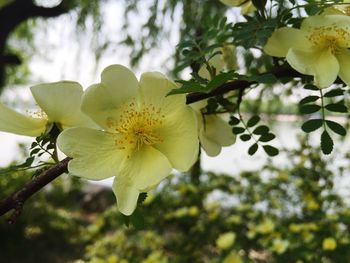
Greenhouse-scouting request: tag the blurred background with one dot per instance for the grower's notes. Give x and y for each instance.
(231, 208)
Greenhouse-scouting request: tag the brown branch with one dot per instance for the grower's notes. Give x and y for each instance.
(17, 199)
(278, 72)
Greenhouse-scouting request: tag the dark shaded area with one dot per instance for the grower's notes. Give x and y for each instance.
(11, 16)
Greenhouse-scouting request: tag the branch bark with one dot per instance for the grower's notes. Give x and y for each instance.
(17, 199)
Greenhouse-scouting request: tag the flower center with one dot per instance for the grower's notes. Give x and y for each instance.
(138, 126)
(37, 114)
(331, 37)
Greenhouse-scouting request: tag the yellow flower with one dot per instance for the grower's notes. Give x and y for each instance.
(226, 240)
(338, 9)
(280, 246)
(143, 134)
(246, 5)
(295, 228)
(319, 48)
(60, 105)
(329, 244)
(221, 62)
(233, 258)
(214, 132)
(311, 202)
(267, 226)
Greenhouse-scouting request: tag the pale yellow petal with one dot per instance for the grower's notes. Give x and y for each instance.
(344, 62)
(95, 153)
(331, 21)
(285, 38)
(321, 64)
(100, 101)
(61, 102)
(232, 2)
(143, 170)
(217, 62)
(247, 8)
(17, 123)
(154, 87)
(215, 134)
(126, 195)
(179, 134)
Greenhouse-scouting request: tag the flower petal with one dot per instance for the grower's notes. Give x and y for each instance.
(180, 139)
(126, 195)
(344, 61)
(95, 154)
(144, 169)
(330, 21)
(61, 102)
(217, 62)
(17, 123)
(322, 64)
(285, 38)
(101, 101)
(154, 87)
(215, 134)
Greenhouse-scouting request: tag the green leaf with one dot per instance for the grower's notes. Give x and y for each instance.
(326, 143)
(312, 125)
(245, 137)
(267, 78)
(311, 87)
(270, 150)
(334, 93)
(308, 109)
(34, 151)
(188, 87)
(267, 137)
(238, 130)
(259, 4)
(253, 121)
(308, 99)
(261, 130)
(234, 121)
(337, 107)
(142, 197)
(219, 80)
(336, 127)
(252, 149)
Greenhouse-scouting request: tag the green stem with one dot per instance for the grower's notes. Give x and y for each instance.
(322, 110)
(246, 127)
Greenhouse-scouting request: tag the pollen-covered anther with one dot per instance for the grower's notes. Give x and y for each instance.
(331, 37)
(38, 114)
(137, 126)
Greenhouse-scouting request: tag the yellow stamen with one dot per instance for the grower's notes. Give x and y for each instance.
(137, 126)
(330, 37)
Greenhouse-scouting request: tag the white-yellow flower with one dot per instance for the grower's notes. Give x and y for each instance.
(226, 240)
(246, 5)
(280, 246)
(143, 135)
(214, 132)
(59, 104)
(224, 61)
(319, 48)
(329, 244)
(338, 9)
